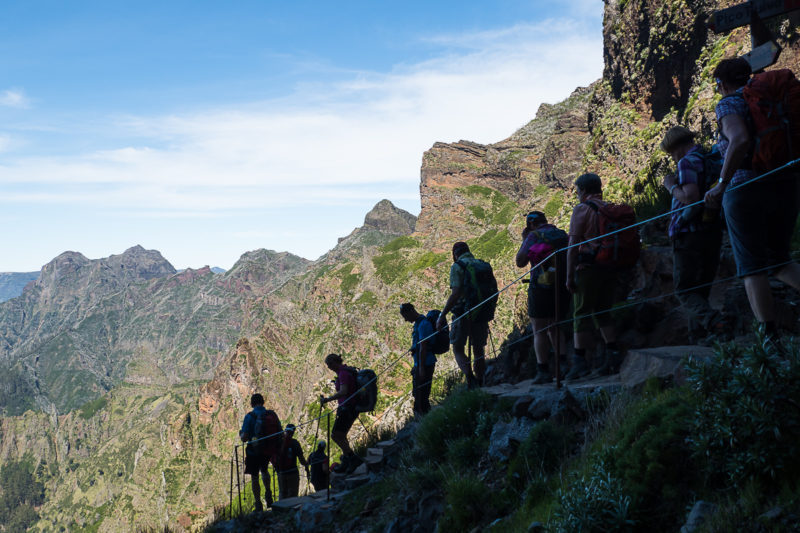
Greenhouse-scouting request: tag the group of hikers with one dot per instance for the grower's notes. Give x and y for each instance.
(710, 191)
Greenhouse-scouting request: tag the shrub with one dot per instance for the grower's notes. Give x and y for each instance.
(540, 454)
(465, 498)
(747, 422)
(650, 455)
(593, 504)
(458, 417)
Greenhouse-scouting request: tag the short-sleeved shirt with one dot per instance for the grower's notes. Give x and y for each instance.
(291, 451)
(422, 329)
(733, 105)
(249, 422)
(457, 277)
(690, 171)
(346, 377)
(585, 223)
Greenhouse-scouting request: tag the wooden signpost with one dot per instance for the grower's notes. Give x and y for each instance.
(740, 15)
(765, 49)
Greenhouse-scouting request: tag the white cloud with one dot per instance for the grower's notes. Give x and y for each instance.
(364, 132)
(14, 98)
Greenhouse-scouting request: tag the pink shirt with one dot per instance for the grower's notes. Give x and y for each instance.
(345, 377)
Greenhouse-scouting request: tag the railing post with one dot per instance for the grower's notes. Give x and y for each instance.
(328, 497)
(238, 480)
(557, 343)
(230, 500)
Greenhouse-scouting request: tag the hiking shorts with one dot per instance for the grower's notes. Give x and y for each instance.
(476, 332)
(255, 462)
(345, 417)
(542, 301)
(593, 297)
(761, 218)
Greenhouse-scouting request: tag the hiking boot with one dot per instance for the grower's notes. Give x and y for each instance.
(577, 370)
(341, 468)
(542, 376)
(614, 360)
(472, 383)
(353, 462)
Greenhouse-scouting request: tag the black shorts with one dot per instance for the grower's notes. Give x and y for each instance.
(542, 302)
(255, 462)
(345, 417)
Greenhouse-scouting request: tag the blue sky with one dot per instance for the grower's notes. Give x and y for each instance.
(208, 129)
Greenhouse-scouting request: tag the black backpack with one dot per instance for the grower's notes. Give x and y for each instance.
(268, 429)
(479, 284)
(440, 343)
(366, 395)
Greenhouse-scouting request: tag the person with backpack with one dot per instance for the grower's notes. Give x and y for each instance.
(288, 474)
(346, 414)
(473, 288)
(695, 232)
(592, 279)
(262, 426)
(423, 338)
(540, 240)
(761, 215)
(318, 464)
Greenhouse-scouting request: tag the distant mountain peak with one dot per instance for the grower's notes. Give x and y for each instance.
(385, 216)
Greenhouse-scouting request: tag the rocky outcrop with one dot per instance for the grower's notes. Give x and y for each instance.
(390, 219)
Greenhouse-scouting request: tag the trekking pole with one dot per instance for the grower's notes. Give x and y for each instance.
(230, 500)
(555, 326)
(328, 497)
(238, 481)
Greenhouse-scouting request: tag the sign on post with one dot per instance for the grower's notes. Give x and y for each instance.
(739, 15)
(763, 56)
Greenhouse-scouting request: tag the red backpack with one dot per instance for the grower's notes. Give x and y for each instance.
(774, 101)
(620, 249)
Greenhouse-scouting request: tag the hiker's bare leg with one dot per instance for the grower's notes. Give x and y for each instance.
(609, 333)
(584, 340)
(268, 491)
(790, 275)
(341, 439)
(480, 362)
(760, 297)
(461, 359)
(256, 488)
(542, 336)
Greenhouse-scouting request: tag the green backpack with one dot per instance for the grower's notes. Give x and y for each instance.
(479, 284)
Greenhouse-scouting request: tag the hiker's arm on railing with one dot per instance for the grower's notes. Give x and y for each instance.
(572, 263)
(734, 128)
(455, 295)
(344, 391)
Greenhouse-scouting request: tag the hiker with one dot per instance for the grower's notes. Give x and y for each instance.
(318, 463)
(761, 215)
(258, 423)
(695, 232)
(592, 285)
(473, 326)
(346, 413)
(288, 474)
(540, 239)
(423, 356)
